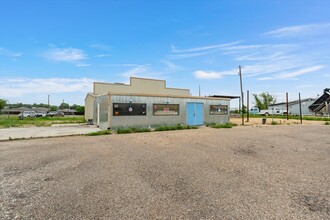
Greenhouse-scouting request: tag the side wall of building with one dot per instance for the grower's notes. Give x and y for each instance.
(101, 102)
(89, 104)
(150, 120)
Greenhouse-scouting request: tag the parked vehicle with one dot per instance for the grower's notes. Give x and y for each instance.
(40, 114)
(27, 114)
(55, 113)
(267, 112)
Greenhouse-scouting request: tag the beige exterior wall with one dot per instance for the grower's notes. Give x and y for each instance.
(139, 85)
(89, 102)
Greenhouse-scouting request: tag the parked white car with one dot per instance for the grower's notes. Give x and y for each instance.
(27, 114)
(40, 114)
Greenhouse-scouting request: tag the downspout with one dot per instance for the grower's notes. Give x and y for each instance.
(98, 113)
(109, 111)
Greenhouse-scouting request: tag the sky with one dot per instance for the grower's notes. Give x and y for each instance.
(59, 48)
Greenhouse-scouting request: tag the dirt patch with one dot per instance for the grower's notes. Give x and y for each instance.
(313, 202)
(246, 151)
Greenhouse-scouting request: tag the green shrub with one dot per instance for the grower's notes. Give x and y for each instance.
(327, 123)
(132, 130)
(226, 125)
(274, 123)
(97, 133)
(176, 127)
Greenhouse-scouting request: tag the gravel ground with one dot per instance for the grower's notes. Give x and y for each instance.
(263, 172)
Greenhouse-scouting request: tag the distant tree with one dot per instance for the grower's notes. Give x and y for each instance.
(63, 106)
(80, 110)
(263, 100)
(53, 108)
(2, 103)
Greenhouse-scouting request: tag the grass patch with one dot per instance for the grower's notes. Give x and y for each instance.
(225, 125)
(308, 118)
(176, 127)
(274, 123)
(327, 123)
(7, 122)
(132, 130)
(97, 133)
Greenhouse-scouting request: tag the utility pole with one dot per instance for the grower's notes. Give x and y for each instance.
(199, 91)
(48, 103)
(248, 106)
(287, 106)
(300, 109)
(242, 95)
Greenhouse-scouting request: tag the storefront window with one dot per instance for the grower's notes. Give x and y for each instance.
(166, 109)
(218, 109)
(129, 109)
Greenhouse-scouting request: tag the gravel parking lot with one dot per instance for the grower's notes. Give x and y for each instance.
(252, 172)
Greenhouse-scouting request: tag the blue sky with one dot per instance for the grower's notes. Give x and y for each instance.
(59, 48)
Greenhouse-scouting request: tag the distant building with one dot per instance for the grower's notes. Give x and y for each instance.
(16, 111)
(294, 106)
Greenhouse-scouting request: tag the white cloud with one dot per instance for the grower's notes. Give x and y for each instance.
(170, 65)
(18, 87)
(293, 74)
(141, 71)
(70, 55)
(204, 48)
(326, 75)
(262, 57)
(201, 74)
(186, 55)
(8, 53)
(103, 55)
(126, 65)
(299, 30)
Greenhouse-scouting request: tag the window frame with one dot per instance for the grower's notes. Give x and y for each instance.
(216, 112)
(128, 105)
(162, 104)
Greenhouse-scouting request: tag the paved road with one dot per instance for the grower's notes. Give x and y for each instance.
(270, 172)
(52, 131)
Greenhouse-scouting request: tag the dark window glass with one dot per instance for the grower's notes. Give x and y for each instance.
(121, 109)
(166, 109)
(218, 109)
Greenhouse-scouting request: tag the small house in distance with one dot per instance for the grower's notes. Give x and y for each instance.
(294, 106)
(149, 103)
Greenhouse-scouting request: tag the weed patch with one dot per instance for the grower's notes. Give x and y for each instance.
(7, 122)
(226, 125)
(132, 130)
(177, 127)
(97, 133)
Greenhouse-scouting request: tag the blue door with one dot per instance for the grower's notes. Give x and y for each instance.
(195, 113)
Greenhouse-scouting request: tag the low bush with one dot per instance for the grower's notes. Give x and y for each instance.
(176, 127)
(132, 130)
(226, 125)
(327, 123)
(274, 123)
(97, 133)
